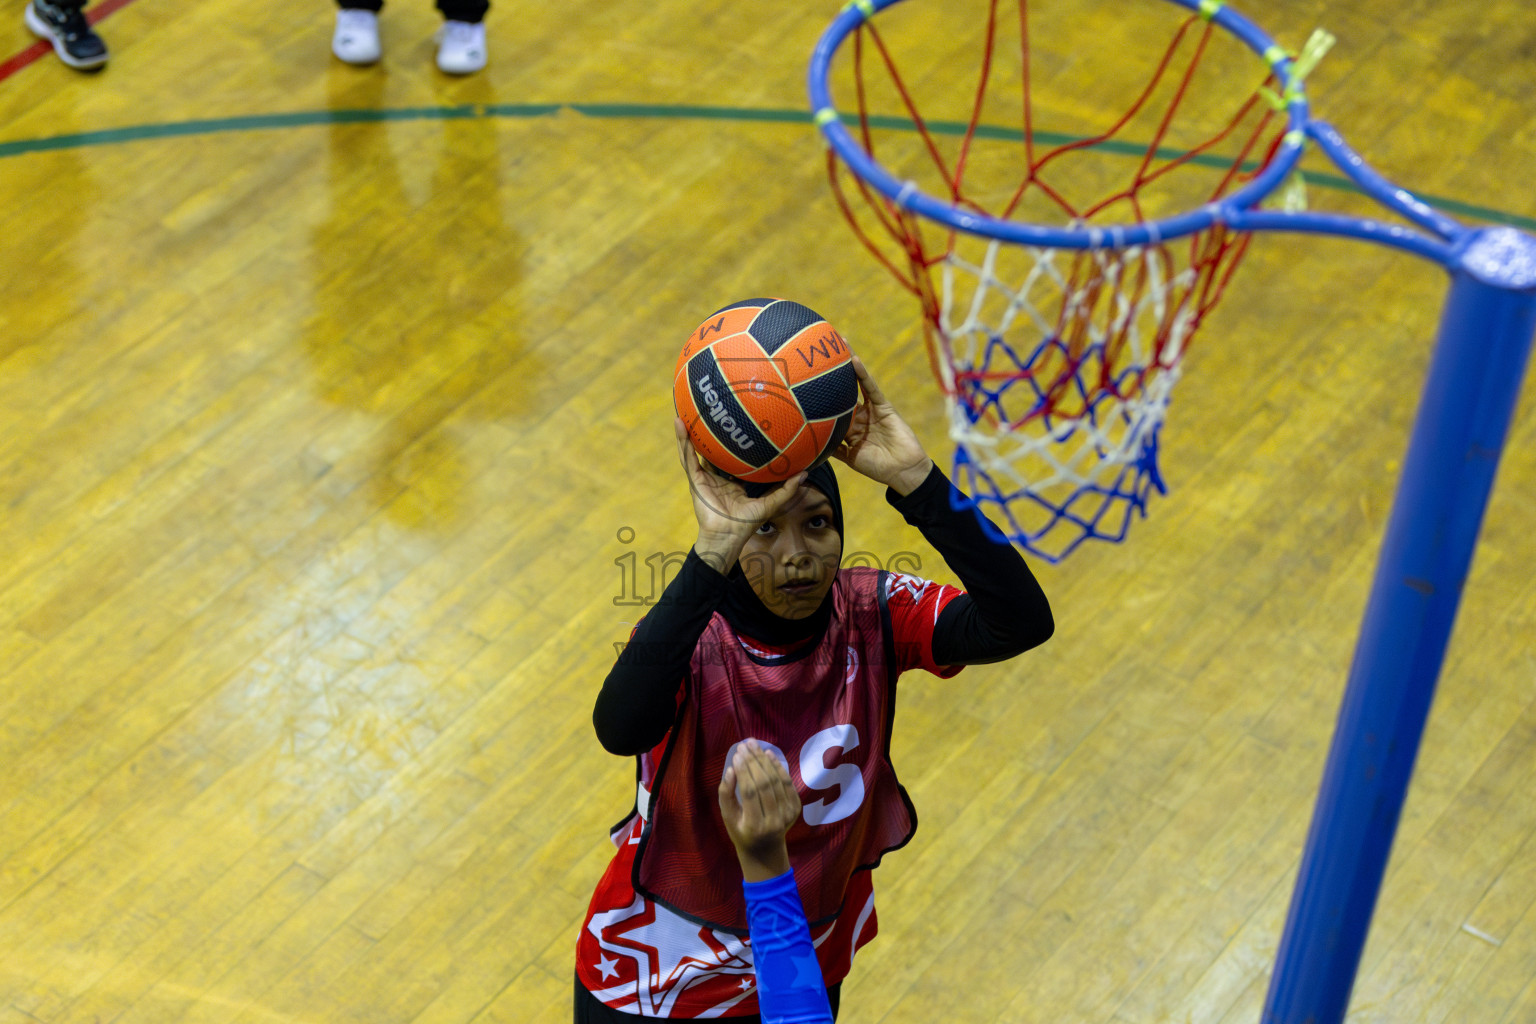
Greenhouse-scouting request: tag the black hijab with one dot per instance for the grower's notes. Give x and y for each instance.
(748, 615)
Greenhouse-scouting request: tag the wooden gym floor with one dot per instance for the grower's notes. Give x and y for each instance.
(324, 441)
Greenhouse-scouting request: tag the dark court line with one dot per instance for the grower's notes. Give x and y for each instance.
(634, 111)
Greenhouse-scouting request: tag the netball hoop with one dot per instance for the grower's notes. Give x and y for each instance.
(1058, 348)
(1058, 303)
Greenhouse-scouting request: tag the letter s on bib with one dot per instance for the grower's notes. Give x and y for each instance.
(816, 775)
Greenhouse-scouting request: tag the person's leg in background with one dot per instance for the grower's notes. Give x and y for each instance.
(461, 43)
(62, 23)
(356, 40)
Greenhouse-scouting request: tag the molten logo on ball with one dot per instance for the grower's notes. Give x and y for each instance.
(717, 412)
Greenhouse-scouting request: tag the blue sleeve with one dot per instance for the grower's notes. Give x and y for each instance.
(789, 985)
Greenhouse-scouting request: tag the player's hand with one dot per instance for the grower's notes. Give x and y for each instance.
(727, 517)
(879, 443)
(759, 804)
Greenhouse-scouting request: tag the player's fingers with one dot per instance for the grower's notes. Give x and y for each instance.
(777, 499)
(872, 393)
(744, 764)
(774, 789)
(786, 800)
(858, 427)
(754, 781)
(776, 770)
(727, 792)
(685, 450)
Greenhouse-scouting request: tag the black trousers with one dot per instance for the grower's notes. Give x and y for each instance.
(453, 10)
(590, 1010)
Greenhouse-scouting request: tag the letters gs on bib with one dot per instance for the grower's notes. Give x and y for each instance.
(814, 773)
(766, 389)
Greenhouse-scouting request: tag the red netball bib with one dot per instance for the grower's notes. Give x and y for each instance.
(827, 711)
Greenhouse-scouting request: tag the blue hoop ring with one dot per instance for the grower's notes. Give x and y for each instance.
(1239, 210)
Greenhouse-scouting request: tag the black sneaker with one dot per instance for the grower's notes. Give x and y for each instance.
(71, 35)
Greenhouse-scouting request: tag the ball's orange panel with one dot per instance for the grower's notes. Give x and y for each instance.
(813, 352)
(742, 361)
(773, 409)
(721, 325)
(682, 396)
(773, 473)
(804, 449)
(758, 385)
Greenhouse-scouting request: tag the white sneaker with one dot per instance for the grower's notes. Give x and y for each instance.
(357, 36)
(461, 47)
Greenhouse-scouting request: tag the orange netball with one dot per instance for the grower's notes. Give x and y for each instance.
(766, 389)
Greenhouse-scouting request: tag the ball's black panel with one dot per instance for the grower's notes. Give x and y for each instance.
(738, 305)
(839, 431)
(829, 395)
(723, 416)
(779, 322)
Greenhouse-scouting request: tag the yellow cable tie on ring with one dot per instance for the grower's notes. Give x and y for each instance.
(1291, 196)
(1318, 44)
(866, 7)
(1317, 47)
(1208, 8)
(825, 116)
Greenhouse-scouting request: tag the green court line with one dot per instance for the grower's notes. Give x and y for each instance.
(253, 122)
(635, 111)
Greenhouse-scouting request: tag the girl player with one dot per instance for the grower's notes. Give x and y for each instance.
(762, 635)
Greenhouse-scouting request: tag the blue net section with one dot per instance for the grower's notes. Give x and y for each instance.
(1095, 511)
(1058, 386)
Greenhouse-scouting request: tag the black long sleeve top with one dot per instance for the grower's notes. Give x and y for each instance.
(1002, 613)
